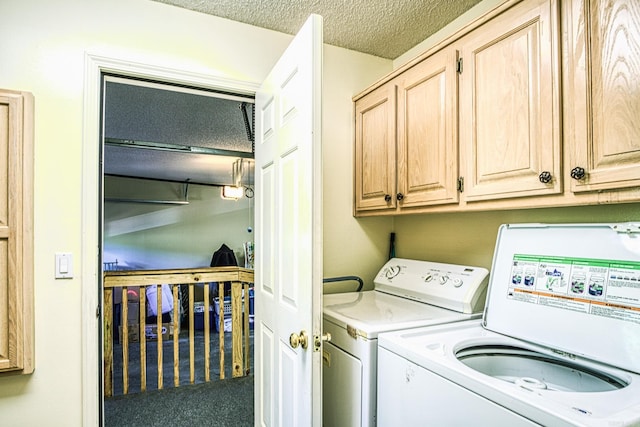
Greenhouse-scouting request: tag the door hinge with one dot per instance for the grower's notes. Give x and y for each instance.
(352, 331)
(461, 184)
(98, 311)
(459, 65)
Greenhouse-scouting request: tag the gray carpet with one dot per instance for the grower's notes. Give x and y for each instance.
(222, 403)
(217, 403)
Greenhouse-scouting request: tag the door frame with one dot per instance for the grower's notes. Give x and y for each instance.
(95, 66)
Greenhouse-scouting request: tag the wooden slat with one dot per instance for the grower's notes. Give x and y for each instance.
(159, 333)
(108, 342)
(124, 322)
(207, 376)
(221, 327)
(192, 367)
(176, 337)
(143, 338)
(236, 329)
(119, 278)
(246, 329)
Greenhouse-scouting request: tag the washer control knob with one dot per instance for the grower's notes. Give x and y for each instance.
(457, 282)
(444, 279)
(428, 277)
(392, 272)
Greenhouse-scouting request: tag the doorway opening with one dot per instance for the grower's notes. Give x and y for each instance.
(169, 154)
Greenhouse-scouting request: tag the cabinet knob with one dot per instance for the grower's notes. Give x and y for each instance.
(578, 173)
(387, 198)
(545, 177)
(399, 196)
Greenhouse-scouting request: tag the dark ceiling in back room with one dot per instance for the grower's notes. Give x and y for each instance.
(173, 133)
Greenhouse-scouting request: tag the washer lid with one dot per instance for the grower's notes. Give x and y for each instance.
(371, 312)
(574, 288)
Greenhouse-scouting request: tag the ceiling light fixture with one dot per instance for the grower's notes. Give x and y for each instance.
(229, 192)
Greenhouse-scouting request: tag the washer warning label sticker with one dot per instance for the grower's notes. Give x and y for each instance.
(593, 286)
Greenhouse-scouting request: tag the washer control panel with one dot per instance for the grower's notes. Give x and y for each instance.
(456, 287)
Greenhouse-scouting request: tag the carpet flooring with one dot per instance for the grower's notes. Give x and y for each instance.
(218, 402)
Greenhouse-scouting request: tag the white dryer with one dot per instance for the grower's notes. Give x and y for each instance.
(407, 294)
(558, 345)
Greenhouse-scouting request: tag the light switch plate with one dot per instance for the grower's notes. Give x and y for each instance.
(64, 265)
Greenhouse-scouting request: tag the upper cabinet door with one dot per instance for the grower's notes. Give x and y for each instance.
(375, 149)
(16, 232)
(427, 132)
(603, 94)
(509, 104)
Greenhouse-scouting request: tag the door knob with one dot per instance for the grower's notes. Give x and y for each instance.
(296, 340)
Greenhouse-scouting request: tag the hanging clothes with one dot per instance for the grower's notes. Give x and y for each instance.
(223, 257)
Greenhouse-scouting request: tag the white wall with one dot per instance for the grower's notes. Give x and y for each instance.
(43, 45)
(157, 236)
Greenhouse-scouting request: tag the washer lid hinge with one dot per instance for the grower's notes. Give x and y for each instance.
(627, 228)
(564, 354)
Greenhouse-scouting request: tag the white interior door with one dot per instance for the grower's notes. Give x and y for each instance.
(288, 224)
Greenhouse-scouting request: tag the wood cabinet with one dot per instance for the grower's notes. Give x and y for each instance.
(602, 123)
(542, 113)
(16, 232)
(406, 139)
(427, 132)
(509, 105)
(375, 152)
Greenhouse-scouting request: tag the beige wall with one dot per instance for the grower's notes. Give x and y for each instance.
(469, 238)
(43, 45)
(351, 246)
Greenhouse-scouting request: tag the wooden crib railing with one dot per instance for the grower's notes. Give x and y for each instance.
(240, 279)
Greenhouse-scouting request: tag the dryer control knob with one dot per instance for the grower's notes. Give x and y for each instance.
(444, 279)
(457, 282)
(428, 277)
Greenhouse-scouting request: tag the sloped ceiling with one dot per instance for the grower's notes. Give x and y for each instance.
(384, 28)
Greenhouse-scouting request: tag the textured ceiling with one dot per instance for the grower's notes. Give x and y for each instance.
(384, 28)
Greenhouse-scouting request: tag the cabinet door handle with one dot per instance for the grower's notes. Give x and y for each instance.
(399, 196)
(545, 177)
(387, 198)
(578, 173)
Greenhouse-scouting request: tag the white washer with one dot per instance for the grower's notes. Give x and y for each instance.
(558, 345)
(407, 294)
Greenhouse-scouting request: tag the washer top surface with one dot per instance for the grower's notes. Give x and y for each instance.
(372, 312)
(543, 385)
